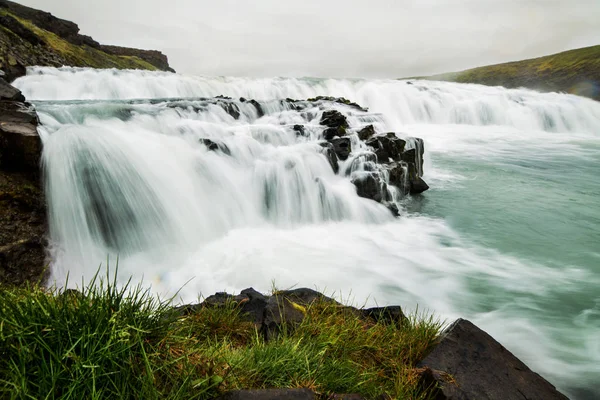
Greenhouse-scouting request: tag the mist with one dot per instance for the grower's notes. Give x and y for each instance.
(379, 38)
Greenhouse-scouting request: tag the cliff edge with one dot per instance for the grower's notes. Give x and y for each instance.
(31, 37)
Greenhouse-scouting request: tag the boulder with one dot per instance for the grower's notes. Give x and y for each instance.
(8, 92)
(386, 147)
(20, 144)
(259, 109)
(329, 152)
(342, 147)
(330, 133)
(269, 394)
(366, 133)
(468, 364)
(286, 310)
(334, 119)
(388, 315)
(369, 186)
(23, 261)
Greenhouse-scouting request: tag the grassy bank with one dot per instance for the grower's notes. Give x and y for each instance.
(121, 343)
(575, 71)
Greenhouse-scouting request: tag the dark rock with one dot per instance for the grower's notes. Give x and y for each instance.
(8, 92)
(286, 310)
(392, 207)
(259, 109)
(386, 315)
(214, 146)
(414, 153)
(397, 173)
(330, 133)
(300, 130)
(334, 119)
(329, 152)
(20, 144)
(230, 108)
(418, 186)
(23, 261)
(269, 394)
(339, 100)
(18, 29)
(369, 186)
(366, 133)
(468, 364)
(342, 147)
(387, 146)
(352, 396)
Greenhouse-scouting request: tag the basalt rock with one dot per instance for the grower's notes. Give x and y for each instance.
(366, 133)
(329, 152)
(468, 364)
(10, 93)
(370, 186)
(334, 119)
(300, 130)
(23, 212)
(387, 146)
(342, 147)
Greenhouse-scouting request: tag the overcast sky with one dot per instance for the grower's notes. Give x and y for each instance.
(335, 38)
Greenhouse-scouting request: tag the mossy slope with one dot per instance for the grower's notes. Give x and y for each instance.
(575, 71)
(31, 37)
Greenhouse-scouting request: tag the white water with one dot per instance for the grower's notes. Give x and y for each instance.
(130, 178)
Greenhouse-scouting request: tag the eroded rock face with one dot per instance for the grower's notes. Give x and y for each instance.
(468, 364)
(23, 212)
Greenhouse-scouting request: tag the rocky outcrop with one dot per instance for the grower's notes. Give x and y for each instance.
(32, 37)
(23, 216)
(468, 364)
(285, 309)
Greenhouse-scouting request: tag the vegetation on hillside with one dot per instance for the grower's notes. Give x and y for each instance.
(66, 52)
(106, 342)
(575, 71)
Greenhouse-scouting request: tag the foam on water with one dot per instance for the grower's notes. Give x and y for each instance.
(133, 179)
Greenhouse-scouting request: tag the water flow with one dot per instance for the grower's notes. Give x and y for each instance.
(221, 194)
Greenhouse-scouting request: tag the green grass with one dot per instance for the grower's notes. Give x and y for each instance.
(123, 343)
(575, 71)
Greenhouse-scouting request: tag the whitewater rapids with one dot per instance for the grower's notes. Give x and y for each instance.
(508, 236)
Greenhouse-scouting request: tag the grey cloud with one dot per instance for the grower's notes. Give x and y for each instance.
(376, 38)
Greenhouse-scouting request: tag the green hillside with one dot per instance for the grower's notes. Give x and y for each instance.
(575, 71)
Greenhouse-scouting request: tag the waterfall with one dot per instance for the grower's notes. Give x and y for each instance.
(199, 192)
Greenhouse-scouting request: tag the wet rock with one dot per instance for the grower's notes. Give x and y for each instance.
(339, 100)
(329, 152)
(8, 92)
(366, 133)
(269, 394)
(334, 119)
(330, 133)
(369, 186)
(300, 130)
(418, 186)
(230, 108)
(342, 147)
(387, 147)
(397, 173)
(468, 364)
(214, 146)
(259, 109)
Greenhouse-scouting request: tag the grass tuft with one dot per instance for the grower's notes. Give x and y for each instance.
(121, 342)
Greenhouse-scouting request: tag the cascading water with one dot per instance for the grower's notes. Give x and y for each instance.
(207, 194)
